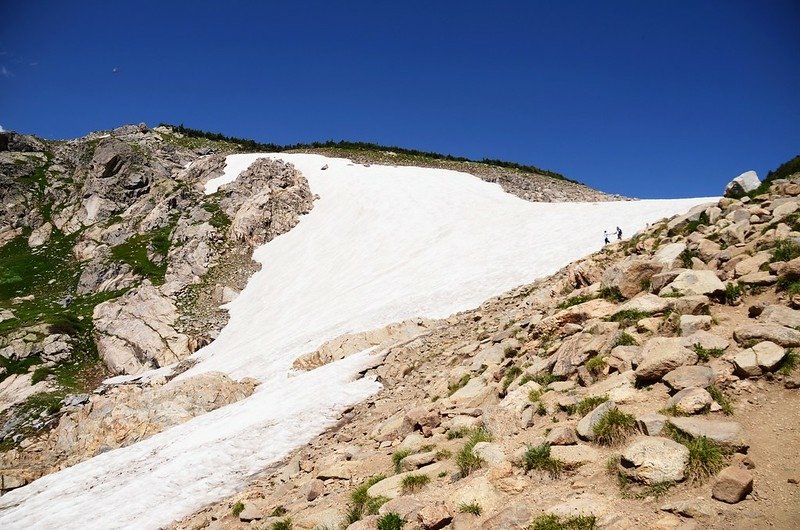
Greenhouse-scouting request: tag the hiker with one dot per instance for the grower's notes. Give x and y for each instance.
(619, 234)
(605, 236)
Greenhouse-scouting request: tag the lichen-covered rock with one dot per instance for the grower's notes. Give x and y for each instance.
(652, 460)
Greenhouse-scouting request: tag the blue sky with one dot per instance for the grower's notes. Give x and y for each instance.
(643, 98)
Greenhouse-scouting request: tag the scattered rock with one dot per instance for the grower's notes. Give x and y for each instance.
(652, 460)
(733, 484)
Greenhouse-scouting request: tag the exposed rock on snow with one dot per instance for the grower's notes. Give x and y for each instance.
(742, 185)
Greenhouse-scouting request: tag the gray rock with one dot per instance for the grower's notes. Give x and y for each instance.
(689, 376)
(691, 400)
(692, 282)
(733, 484)
(728, 433)
(250, 513)
(653, 460)
(562, 435)
(742, 185)
(647, 303)
(782, 315)
(661, 355)
(786, 337)
(691, 323)
(651, 423)
(586, 425)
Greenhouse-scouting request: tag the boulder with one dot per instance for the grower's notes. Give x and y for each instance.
(763, 357)
(517, 515)
(742, 185)
(575, 350)
(661, 355)
(728, 433)
(781, 315)
(691, 400)
(585, 427)
(575, 455)
(651, 423)
(786, 337)
(689, 376)
(647, 303)
(733, 484)
(709, 341)
(312, 489)
(250, 513)
(692, 282)
(562, 435)
(406, 506)
(692, 323)
(652, 460)
(668, 256)
(630, 275)
(40, 236)
(691, 305)
(434, 516)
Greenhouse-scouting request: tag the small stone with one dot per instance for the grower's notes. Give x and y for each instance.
(562, 435)
(651, 424)
(434, 516)
(733, 485)
(691, 400)
(250, 513)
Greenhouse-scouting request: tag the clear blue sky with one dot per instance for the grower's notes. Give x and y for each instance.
(643, 98)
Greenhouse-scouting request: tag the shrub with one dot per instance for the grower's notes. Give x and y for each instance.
(397, 458)
(721, 399)
(554, 522)
(705, 354)
(279, 511)
(785, 250)
(237, 508)
(391, 521)
(733, 291)
(534, 395)
(473, 507)
(415, 482)
(466, 460)
(285, 524)
(614, 427)
(538, 457)
(623, 339)
(545, 378)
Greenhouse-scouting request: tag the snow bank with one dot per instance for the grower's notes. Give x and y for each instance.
(382, 244)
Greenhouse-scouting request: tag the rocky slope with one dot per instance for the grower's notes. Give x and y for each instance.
(651, 385)
(113, 261)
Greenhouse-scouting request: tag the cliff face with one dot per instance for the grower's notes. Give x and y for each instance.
(114, 260)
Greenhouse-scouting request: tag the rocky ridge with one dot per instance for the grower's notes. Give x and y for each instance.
(651, 385)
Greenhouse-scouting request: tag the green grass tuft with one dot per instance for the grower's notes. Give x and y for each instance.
(538, 458)
(466, 460)
(785, 250)
(397, 458)
(628, 317)
(614, 427)
(704, 354)
(595, 365)
(284, 524)
(575, 300)
(721, 399)
(458, 385)
(611, 294)
(586, 405)
(789, 363)
(623, 339)
(391, 521)
(472, 507)
(237, 508)
(554, 522)
(414, 482)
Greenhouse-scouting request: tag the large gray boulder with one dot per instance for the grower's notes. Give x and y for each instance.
(652, 460)
(742, 185)
(661, 355)
(786, 337)
(689, 376)
(692, 282)
(728, 433)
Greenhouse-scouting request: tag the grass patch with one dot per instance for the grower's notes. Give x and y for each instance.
(466, 460)
(785, 250)
(458, 385)
(721, 399)
(279, 511)
(706, 457)
(237, 508)
(538, 457)
(391, 521)
(611, 294)
(470, 507)
(135, 253)
(575, 300)
(614, 427)
(361, 503)
(788, 364)
(704, 354)
(595, 365)
(686, 257)
(545, 378)
(586, 405)
(628, 317)
(397, 458)
(443, 454)
(511, 375)
(554, 522)
(284, 524)
(219, 219)
(415, 482)
(623, 339)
